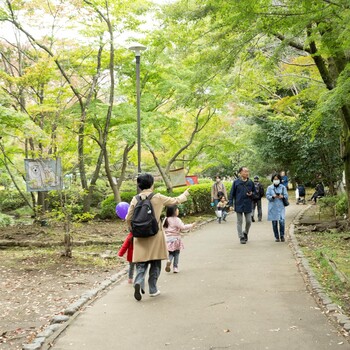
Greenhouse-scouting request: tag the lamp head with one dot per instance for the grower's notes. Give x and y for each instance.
(137, 48)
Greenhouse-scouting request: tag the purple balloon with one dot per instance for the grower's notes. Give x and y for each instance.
(122, 209)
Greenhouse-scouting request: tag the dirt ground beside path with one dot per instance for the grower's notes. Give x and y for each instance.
(37, 283)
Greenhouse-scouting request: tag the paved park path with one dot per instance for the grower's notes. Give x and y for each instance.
(226, 296)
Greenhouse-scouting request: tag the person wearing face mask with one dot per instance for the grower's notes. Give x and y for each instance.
(276, 209)
(217, 191)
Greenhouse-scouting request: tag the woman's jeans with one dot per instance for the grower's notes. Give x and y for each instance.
(277, 234)
(174, 255)
(154, 272)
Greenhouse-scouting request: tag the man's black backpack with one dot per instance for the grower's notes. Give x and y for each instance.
(143, 222)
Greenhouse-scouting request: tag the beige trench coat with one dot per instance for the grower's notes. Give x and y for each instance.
(154, 247)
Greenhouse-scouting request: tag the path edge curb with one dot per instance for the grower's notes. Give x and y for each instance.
(58, 323)
(330, 309)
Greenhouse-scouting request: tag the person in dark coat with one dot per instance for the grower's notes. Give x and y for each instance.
(319, 192)
(241, 194)
(256, 199)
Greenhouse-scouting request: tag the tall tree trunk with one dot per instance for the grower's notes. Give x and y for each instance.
(346, 154)
(121, 178)
(103, 143)
(5, 162)
(329, 74)
(77, 94)
(164, 176)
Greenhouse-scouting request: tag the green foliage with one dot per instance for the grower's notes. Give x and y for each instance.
(342, 205)
(11, 200)
(84, 217)
(108, 208)
(286, 144)
(198, 202)
(108, 205)
(6, 220)
(334, 205)
(232, 72)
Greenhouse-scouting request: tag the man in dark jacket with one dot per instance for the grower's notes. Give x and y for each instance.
(241, 196)
(256, 198)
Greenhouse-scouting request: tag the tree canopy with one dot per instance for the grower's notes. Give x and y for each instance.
(223, 84)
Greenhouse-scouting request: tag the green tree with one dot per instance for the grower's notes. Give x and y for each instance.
(254, 31)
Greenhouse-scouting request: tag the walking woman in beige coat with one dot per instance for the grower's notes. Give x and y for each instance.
(152, 250)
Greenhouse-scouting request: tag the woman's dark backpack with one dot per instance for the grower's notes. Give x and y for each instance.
(143, 222)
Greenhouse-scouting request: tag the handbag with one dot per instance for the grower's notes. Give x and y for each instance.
(284, 200)
(218, 213)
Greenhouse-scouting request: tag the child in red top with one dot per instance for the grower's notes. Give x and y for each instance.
(128, 248)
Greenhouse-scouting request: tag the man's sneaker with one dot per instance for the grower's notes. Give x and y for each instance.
(167, 267)
(155, 294)
(282, 239)
(277, 240)
(245, 236)
(176, 269)
(253, 220)
(137, 293)
(242, 240)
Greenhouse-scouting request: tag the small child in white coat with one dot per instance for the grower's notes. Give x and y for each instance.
(223, 208)
(173, 226)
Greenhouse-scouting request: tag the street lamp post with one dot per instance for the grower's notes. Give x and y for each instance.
(137, 49)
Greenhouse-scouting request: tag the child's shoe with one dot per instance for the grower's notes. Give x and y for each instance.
(176, 269)
(167, 267)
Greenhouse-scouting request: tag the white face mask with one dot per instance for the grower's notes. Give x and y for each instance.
(276, 182)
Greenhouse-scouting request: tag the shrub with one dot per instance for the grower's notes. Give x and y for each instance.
(342, 204)
(6, 220)
(11, 200)
(198, 202)
(84, 217)
(335, 205)
(108, 208)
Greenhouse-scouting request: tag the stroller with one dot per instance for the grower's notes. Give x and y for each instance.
(300, 194)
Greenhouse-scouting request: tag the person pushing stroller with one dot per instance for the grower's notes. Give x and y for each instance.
(300, 194)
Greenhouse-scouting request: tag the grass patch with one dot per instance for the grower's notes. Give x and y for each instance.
(329, 256)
